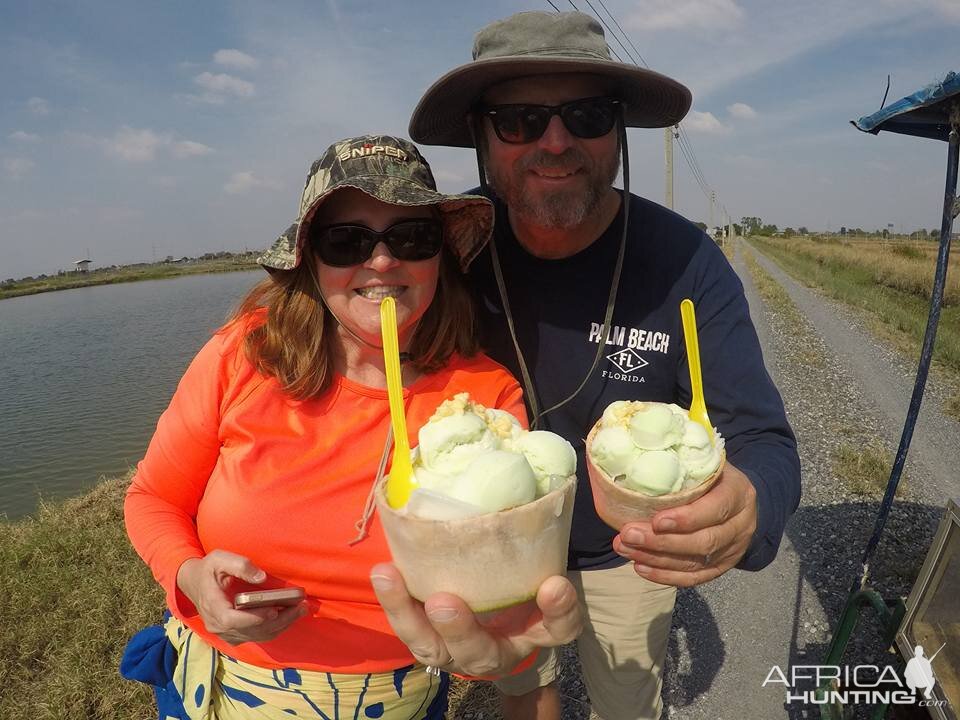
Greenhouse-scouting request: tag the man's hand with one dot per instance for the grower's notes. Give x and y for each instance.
(694, 543)
(444, 633)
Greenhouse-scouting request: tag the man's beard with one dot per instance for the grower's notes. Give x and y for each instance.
(560, 208)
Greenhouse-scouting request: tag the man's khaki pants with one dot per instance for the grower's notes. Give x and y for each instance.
(622, 647)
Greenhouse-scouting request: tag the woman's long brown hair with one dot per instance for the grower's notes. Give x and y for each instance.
(295, 344)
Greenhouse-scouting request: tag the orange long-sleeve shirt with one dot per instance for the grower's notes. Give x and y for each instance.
(236, 464)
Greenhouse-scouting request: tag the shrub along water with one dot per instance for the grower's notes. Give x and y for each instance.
(123, 274)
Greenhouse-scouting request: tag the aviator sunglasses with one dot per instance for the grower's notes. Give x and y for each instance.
(523, 123)
(346, 245)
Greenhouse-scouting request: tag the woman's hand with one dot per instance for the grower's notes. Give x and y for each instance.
(207, 581)
(445, 634)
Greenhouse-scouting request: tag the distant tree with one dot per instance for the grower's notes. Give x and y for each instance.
(737, 229)
(885, 233)
(843, 229)
(702, 226)
(935, 233)
(768, 230)
(751, 225)
(789, 232)
(803, 230)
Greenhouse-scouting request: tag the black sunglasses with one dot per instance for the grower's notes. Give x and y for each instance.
(346, 245)
(522, 123)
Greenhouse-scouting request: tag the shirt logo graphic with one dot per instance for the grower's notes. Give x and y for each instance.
(627, 361)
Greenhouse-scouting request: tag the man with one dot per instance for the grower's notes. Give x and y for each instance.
(580, 294)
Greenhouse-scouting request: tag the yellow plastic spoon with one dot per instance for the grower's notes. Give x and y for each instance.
(400, 482)
(698, 408)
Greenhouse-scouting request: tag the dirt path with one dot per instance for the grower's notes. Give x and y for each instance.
(886, 380)
(839, 386)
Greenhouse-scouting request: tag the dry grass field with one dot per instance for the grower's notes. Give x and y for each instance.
(890, 282)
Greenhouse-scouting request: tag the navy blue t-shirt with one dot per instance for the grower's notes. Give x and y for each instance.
(558, 308)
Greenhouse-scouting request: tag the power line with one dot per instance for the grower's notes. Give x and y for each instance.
(609, 47)
(636, 53)
(627, 37)
(683, 141)
(604, 22)
(685, 151)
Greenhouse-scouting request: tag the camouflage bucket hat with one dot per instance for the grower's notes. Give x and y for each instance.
(541, 43)
(392, 170)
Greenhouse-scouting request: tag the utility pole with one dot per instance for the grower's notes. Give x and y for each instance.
(713, 199)
(668, 161)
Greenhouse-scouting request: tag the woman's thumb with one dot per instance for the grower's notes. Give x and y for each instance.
(241, 567)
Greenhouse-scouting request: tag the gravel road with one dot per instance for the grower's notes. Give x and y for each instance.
(840, 385)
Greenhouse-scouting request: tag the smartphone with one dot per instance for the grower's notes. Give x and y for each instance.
(286, 597)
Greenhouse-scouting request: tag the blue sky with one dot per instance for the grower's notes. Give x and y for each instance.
(137, 130)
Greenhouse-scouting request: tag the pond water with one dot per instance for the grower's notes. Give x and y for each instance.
(85, 373)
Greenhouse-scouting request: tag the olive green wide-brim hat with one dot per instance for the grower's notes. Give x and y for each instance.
(392, 170)
(538, 43)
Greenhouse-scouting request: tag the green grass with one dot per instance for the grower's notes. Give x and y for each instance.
(898, 317)
(73, 593)
(132, 273)
(864, 469)
(779, 302)
(909, 251)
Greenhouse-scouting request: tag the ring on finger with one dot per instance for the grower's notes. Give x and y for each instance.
(437, 669)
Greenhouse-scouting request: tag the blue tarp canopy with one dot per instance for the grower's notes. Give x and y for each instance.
(925, 113)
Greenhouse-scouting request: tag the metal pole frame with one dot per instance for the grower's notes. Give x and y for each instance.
(860, 595)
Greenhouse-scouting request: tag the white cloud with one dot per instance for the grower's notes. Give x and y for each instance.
(684, 15)
(188, 148)
(243, 182)
(221, 85)
(134, 145)
(38, 106)
(24, 137)
(143, 144)
(742, 111)
(234, 58)
(949, 8)
(447, 176)
(704, 122)
(17, 167)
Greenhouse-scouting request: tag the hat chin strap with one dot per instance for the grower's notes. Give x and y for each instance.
(404, 356)
(528, 386)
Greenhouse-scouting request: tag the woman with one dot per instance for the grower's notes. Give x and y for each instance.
(259, 473)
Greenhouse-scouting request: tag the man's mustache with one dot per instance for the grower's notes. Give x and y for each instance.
(541, 160)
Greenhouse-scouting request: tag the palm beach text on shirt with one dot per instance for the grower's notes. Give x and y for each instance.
(627, 361)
